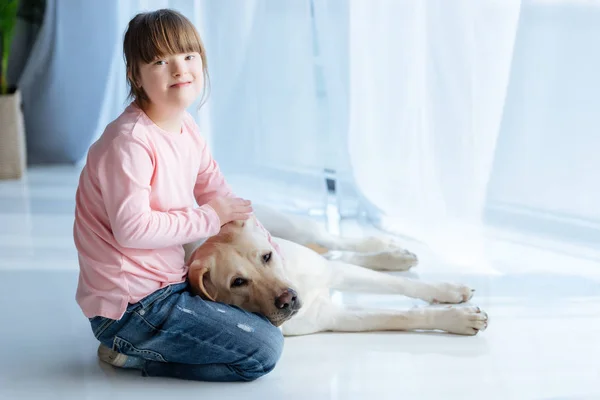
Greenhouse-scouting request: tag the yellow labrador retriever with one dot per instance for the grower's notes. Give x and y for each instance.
(240, 267)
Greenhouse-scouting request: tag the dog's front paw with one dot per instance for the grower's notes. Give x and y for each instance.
(461, 320)
(449, 293)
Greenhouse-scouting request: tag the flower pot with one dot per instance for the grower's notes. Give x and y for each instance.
(12, 137)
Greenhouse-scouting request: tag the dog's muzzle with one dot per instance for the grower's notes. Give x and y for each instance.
(288, 300)
(287, 305)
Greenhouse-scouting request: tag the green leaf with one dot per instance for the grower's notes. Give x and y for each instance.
(8, 20)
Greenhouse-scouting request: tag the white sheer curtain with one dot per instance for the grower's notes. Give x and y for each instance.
(427, 84)
(433, 110)
(263, 104)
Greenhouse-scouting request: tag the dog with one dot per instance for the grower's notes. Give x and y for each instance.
(240, 267)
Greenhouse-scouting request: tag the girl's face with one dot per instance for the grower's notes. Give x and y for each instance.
(173, 82)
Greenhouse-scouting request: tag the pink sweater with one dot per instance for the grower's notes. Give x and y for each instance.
(135, 208)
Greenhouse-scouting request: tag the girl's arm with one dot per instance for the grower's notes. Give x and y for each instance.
(124, 174)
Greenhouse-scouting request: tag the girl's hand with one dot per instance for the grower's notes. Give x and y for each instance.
(231, 209)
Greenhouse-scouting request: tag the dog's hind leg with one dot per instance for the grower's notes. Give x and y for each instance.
(393, 260)
(307, 232)
(295, 228)
(349, 277)
(367, 244)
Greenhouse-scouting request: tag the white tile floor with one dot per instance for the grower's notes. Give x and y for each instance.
(542, 342)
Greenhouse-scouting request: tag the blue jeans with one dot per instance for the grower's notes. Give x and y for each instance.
(174, 333)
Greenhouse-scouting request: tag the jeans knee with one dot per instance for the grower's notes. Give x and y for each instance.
(276, 349)
(265, 358)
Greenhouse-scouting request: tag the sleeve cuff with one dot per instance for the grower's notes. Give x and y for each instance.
(214, 222)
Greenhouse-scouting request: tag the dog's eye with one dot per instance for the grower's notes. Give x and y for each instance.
(267, 257)
(238, 282)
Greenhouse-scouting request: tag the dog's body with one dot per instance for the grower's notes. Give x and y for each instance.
(295, 293)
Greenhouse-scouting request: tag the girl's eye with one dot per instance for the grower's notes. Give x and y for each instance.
(190, 57)
(160, 62)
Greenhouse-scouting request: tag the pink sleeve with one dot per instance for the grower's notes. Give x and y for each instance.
(125, 173)
(210, 183)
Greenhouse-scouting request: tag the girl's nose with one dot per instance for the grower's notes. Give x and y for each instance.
(178, 69)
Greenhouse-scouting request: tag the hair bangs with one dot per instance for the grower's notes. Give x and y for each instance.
(168, 34)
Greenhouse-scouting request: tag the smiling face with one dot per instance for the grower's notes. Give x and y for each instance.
(165, 60)
(240, 267)
(172, 81)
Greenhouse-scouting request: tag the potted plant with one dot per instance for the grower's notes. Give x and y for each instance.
(12, 135)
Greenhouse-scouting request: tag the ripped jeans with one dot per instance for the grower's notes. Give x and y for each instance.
(174, 333)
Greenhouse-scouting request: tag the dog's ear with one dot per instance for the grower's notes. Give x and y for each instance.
(199, 276)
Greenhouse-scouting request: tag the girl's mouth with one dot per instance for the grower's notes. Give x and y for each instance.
(181, 84)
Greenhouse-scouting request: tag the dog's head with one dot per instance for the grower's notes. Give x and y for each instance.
(239, 266)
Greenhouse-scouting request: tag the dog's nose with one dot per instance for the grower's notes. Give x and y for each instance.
(287, 299)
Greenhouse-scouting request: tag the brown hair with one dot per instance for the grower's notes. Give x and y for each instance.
(152, 35)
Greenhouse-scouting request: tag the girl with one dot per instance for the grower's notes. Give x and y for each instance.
(135, 209)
